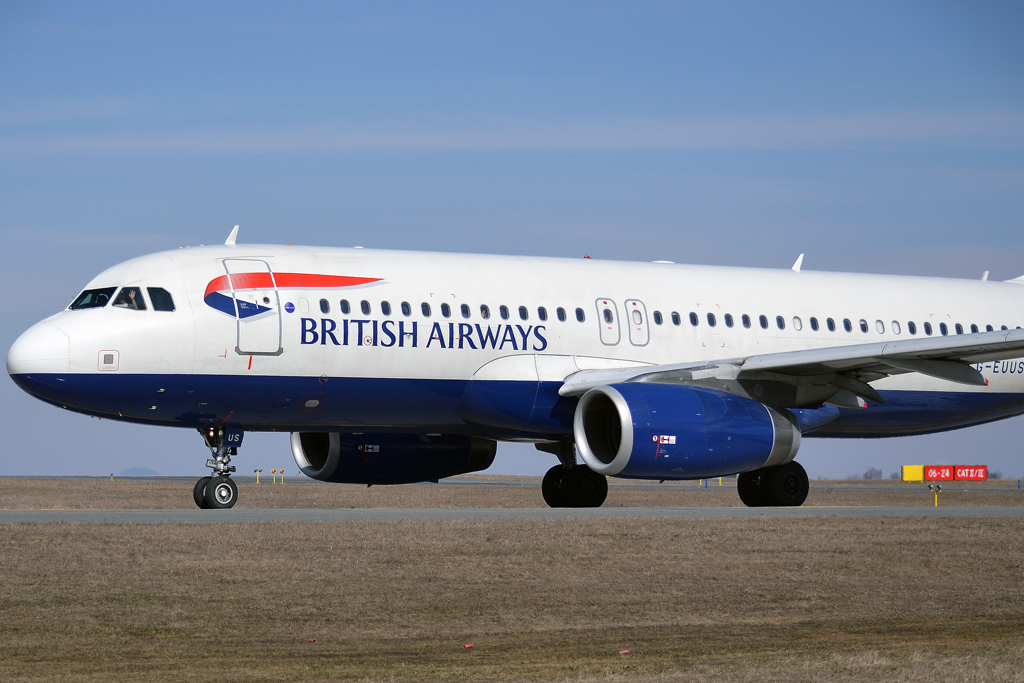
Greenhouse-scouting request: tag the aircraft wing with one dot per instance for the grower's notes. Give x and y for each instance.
(834, 374)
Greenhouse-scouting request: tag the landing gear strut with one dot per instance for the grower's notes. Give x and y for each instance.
(779, 486)
(218, 491)
(571, 485)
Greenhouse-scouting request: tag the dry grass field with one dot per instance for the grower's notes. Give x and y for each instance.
(760, 599)
(847, 599)
(300, 492)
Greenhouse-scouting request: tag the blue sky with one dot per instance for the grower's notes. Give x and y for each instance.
(875, 137)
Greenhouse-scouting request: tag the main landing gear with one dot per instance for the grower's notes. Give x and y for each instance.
(218, 491)
(779, 486)
(571, 485)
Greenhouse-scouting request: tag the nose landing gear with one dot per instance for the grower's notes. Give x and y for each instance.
(218, 491)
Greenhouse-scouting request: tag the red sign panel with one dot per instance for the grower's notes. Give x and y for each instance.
(971, 473)
(938, 473)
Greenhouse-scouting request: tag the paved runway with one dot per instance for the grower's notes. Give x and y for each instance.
(478, 514)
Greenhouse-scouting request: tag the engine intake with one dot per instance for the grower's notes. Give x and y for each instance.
(388, 458)
(664, 431)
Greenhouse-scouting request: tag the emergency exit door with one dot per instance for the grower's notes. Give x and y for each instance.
(636, 321)
(609, 322)
(257, 307)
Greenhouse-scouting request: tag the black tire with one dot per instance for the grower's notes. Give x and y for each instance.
(553, 487)
(221, 493)
(749, 486)
(786, 485)
(199, 492)
(586, 488)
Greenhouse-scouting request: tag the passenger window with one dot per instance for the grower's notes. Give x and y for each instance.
(895, 327)
(693, 319)
(911, 327)
(385, 308)
(959, 328)
(425, 308)
(847, 325)
(345, 308)
(446, 310)
(485, 312)
(561, 313)
(880, 327)
(780, 322)
(728, 320)
(325, 306)
(657, 318)
(928, 329)
(542, 313)
(580, 315)
(974, 328)
(763, 319)
(798, 324)
(814, 323)
(364, 306)
(1003, 327)
(988, 328)
(130, 297)
(465, 310)
(711, 320)
(746, 321)
(676, 318)
(523, 313)
(406, 308)
(863, 325)
(943, 329)
(92, 298)
(830, 324)
(503, 311)
(161, 299)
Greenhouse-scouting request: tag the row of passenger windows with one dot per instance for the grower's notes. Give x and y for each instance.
(129, 297)
(780, 323)
(712, 320)
(446, 310)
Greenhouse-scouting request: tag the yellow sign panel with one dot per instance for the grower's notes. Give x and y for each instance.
(913, 472)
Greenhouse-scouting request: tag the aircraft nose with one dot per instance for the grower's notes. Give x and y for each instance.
(43, 348)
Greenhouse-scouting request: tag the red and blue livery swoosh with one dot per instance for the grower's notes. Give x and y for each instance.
(215, 296)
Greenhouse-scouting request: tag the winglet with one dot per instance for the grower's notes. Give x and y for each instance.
(799, 262)
(230, 241)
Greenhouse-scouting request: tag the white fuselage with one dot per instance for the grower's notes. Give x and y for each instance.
(299, 360)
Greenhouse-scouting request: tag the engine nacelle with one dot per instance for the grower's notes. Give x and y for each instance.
(664, 431)
(388, 458)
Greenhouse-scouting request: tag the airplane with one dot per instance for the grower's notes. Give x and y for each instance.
(392, 367)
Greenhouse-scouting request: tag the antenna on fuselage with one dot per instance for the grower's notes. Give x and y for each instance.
(984, 276)
(799, 262)
(230, 241)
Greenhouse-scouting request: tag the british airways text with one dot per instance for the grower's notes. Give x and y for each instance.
(408, 333)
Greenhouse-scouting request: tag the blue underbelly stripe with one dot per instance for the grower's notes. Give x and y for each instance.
(501, 409)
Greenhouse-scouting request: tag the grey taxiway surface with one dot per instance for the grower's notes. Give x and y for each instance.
(479, 514)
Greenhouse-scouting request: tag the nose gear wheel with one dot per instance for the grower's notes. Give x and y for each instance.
(219, 491)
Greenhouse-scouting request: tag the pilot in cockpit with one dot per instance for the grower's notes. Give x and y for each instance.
(130, 297)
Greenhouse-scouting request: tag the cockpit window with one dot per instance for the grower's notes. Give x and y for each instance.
(161, 299)
(92, 298)
(130, 297)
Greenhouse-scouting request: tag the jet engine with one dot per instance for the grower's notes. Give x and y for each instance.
(663, 431)
(388, 458)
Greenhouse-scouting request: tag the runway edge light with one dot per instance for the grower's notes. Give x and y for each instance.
(913, 472)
